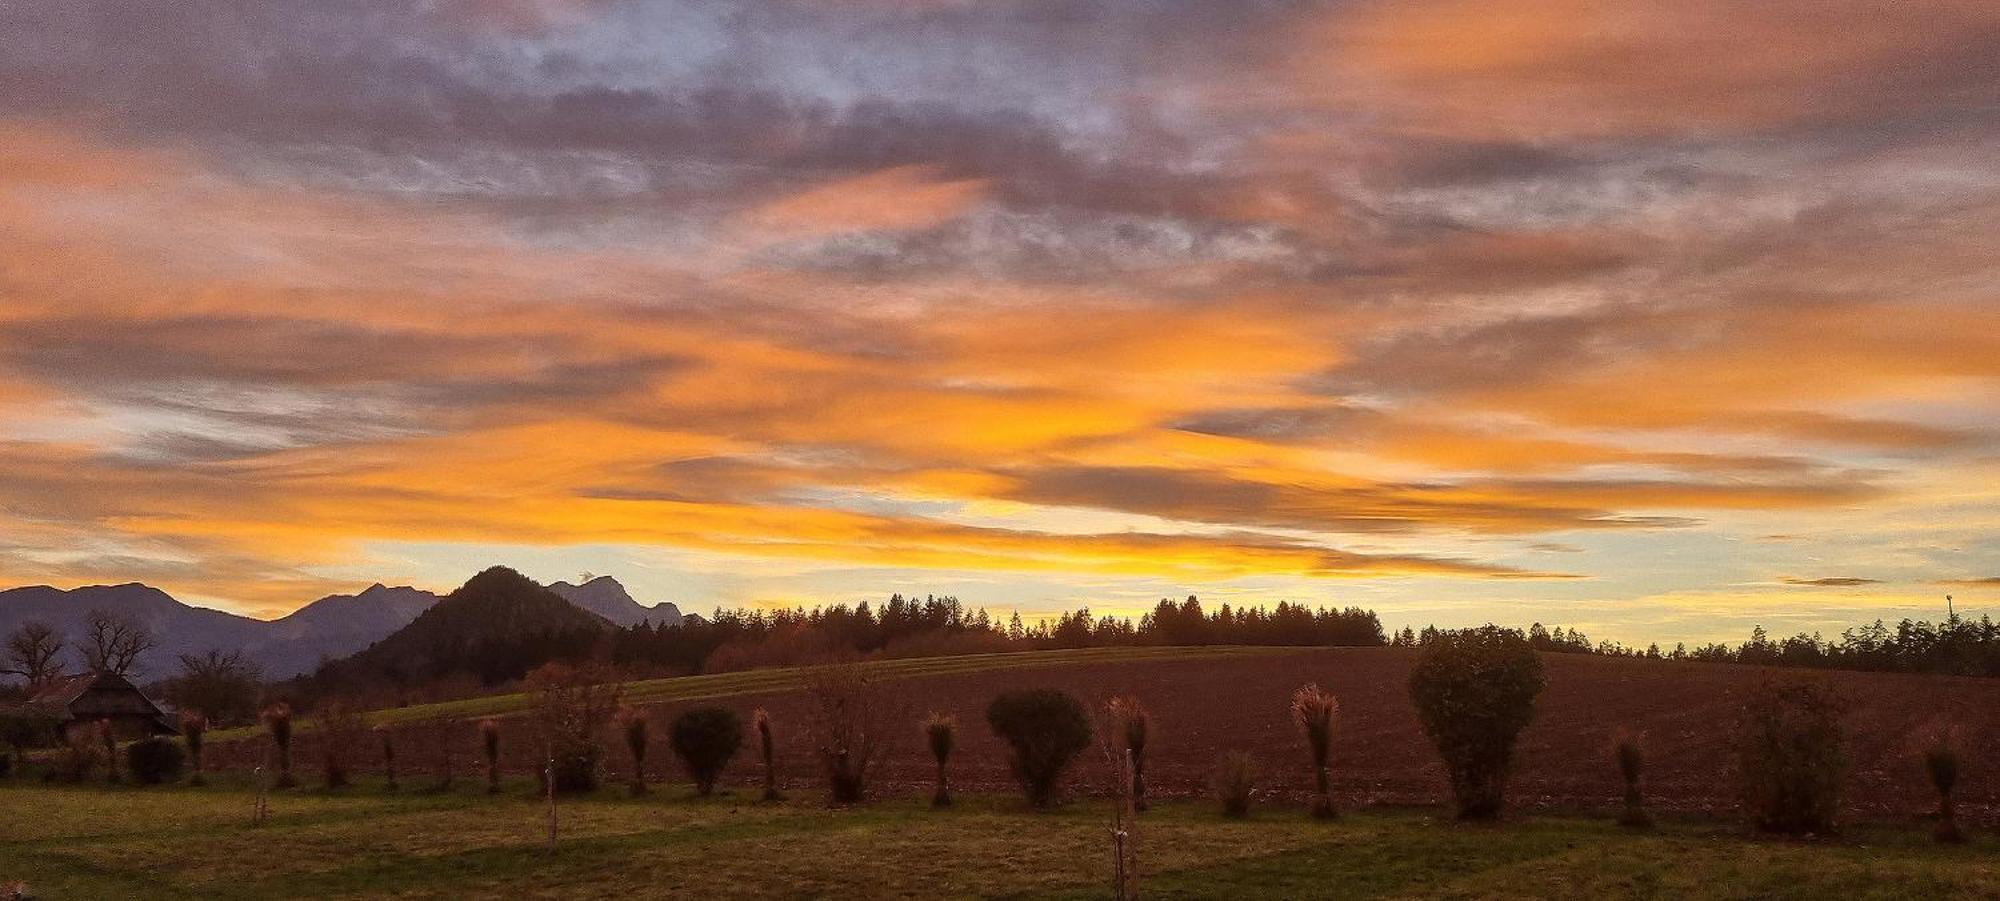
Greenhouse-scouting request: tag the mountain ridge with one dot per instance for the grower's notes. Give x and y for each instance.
(329, 628)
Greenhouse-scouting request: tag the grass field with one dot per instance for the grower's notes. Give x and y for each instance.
(97, 842)
(724, 685)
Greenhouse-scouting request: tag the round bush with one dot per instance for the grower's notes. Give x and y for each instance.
(575, 764)
(1475, 691)
(1791, 757)
(152, 761)
(705, 738)
(1047, 729)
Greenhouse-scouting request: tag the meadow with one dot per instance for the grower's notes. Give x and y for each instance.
(177, 842)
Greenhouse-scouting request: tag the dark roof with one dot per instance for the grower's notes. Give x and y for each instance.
(94, 696)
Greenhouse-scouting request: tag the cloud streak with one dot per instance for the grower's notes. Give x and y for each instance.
(1250, 295)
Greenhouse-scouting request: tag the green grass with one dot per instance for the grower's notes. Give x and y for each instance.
(94, 842)
(694, 688)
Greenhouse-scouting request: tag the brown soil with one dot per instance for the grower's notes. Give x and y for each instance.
(1203, 707)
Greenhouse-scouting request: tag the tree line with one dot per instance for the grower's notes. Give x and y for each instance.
(941, 626)
(1956, 646)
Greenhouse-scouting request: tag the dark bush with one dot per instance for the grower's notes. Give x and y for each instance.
(1475, 691)
(705, 738)
(766, 751)
(1135, 727)
(941, 734)
(1236, 783)
(6, 765)
(278, 720)
(1629, 753)
(1790, 746)
(152, 761)
(1941, 764)
(1047, 729)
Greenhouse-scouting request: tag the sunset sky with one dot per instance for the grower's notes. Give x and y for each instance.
(1657, 319)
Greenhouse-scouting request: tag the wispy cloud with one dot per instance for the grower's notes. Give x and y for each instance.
(1247, 295)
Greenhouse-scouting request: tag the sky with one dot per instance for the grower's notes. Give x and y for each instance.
(1655, 319)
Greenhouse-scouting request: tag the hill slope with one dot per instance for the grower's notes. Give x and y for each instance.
(496, 626)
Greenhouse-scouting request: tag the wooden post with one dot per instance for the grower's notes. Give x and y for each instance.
(262, 807)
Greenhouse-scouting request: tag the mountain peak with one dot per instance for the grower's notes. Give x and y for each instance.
(607, 597)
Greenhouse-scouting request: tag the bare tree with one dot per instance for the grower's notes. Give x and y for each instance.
(32, 653)
(113, 642)
(222, 685)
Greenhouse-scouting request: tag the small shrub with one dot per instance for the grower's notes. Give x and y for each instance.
(194, 726)
(1475, 691)
(24, 729)
(1046, 729)
(571, 704)
(851, 727)
(489, 742)
(1790, 747)
(1135, 728)
(1313, 711)
(82, 753)
(634, 726)
(152, 761)
(339, 730)
(278, 721)
(941, 734)
(1235, 783)
(388, 756)
(766, 749)
(705, 739)
(1630, 755)
(1941, 764)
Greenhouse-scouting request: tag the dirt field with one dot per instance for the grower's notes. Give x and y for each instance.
(1205, 705)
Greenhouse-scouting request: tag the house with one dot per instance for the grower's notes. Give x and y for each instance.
(78, 701)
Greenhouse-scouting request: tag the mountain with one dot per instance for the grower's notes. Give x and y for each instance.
(606, 598)
(496, 626)
(330, 627)
(338, 625)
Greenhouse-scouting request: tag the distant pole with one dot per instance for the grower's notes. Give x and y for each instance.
(1949, 613)
(262, 807)
(549, 783)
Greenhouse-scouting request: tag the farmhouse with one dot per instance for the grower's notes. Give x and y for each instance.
(75, 701)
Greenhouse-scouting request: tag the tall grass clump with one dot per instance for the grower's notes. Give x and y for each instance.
(489, 742)
(635, 728)
(941, 734)
(1236, 783)
(1792, 757)
(851, 727)
(340, 729)
(1046, 729)
(1629, 753)
(388, 756)
(705, 739)
(153, 761)
(1475, 691)
(278, 722)
(1313, 711)
(194, 728)
(1134, 727)
(767, 751)
(1941, 765)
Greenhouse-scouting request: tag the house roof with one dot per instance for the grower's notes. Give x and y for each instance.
(93, 696)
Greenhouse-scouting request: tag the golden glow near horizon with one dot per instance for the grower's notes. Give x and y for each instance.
(1657, 319)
